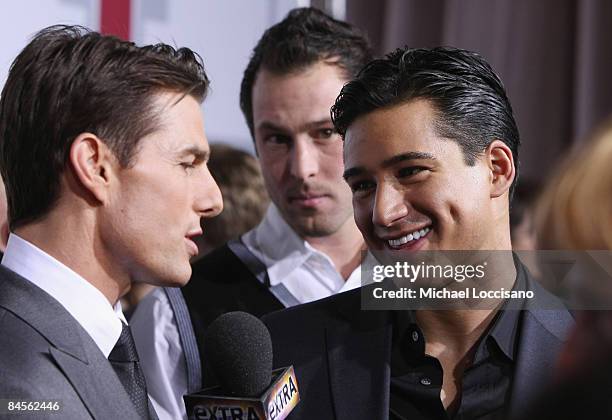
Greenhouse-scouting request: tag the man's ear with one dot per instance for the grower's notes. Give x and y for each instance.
(501, 164)
(92, 164)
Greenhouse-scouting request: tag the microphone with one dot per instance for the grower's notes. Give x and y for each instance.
(238, 348)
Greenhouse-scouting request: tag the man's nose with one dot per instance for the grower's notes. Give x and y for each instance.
(209, 202)
(304, 159)
(389, 205)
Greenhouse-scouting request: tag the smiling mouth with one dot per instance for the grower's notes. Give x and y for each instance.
(409, 239)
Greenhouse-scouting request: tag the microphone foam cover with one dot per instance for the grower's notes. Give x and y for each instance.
(238, 347)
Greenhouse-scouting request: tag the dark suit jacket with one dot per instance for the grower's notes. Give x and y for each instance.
(46, 355)
(342, 354)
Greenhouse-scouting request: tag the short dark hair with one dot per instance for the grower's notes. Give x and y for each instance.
(69, 80)
(469, 97)
(305, 37)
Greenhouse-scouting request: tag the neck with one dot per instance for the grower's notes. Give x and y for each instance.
(70, 239)
(459, 329)
(456, 330)
(451, 337)
(501, 239)
(343, 247)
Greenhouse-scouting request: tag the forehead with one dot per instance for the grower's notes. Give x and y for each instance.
(377, 136)
(297, 97)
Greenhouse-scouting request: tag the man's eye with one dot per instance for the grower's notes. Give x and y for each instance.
(361, 186)
(188, 165)
(410, 171)
(325, 133)
(278, 139)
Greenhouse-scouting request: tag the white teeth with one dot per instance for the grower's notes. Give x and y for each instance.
(410, 237)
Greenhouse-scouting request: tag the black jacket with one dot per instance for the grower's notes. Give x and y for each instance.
(342, 354)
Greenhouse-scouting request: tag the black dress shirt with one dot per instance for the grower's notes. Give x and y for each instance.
(416, 378)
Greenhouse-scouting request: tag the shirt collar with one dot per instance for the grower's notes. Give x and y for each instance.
(502, 331)
(504, 328)
(281, 248)
(87, 305)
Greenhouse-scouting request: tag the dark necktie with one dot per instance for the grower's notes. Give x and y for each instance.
(124, 360)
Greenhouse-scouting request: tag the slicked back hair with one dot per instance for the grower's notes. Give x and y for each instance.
(305, 37)
(69, 80)
(469, 98)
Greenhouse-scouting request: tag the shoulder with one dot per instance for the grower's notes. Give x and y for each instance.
(315, 316)
(217, 261)
(216, 272)
(24, 355)
(549, 311)
(29, 370)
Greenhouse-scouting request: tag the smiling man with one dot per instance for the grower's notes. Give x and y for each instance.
(431, 156)
(103, 154)
(418, 190)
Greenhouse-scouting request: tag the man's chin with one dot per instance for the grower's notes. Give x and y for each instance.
(166, 279)
(176, 283)
(180, 280)
(315, 227)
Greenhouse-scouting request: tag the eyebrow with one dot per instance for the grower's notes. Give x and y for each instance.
(359, 170)
(197, 152)
(268, 125)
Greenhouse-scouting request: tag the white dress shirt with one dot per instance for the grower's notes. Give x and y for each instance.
(87, 305)
(306, 273)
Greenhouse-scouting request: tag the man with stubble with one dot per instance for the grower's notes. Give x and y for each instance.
(307, 247)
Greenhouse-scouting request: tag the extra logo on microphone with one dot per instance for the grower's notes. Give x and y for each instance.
(275, 404)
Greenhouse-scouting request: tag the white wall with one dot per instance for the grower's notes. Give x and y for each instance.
(222, 32)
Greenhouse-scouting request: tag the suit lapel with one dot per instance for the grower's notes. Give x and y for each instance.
(359, 368)
(75, 352)
(97, 385)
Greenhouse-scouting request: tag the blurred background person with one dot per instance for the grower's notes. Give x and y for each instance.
(575, 210)
(575, 213)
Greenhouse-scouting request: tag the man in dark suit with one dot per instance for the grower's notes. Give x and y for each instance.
(431, 155)
(103, 154)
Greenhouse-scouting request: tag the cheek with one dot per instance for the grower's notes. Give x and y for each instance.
(158, 204)
(461, 209)
(332, 161)
(273, 164)
(272, 174)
